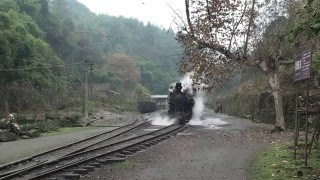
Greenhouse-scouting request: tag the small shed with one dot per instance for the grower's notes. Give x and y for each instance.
(101, 87)
(161, 100)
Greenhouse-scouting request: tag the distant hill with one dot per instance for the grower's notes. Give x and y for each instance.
(83, 34)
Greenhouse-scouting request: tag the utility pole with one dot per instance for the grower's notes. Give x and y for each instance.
(86, 90)
(91, 79)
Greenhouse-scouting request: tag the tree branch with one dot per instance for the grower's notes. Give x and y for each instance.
(188, 17)
(177, 14)
(237, 24)
(249, 27)
(289, 62)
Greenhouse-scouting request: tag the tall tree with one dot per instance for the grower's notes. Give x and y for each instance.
(214, 48)
(24, 55)
(125, 68)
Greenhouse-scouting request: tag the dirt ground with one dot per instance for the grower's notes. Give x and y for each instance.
(210, 151)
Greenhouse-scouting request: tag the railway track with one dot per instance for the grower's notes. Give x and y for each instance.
(84, 155)
(8, 168)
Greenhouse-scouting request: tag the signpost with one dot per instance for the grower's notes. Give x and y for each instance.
(302, 66)
(302, 71)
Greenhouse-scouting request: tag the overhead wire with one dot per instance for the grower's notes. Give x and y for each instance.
(27, 60)
(42, 67)
(47, 65)
(159, 57)
(151, 58)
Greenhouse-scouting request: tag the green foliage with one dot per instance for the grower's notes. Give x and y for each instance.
(67, 130)
(4, 125)
(42, 126)
(70, 121)
(304, 34)
(6, 5)
(46, 126)
(317, 62)
(306, 17)
(125, 166)
(22, 47)
(37, 37)
(28, 127)
(156, 79)
(29, 7)
(143, 93)
(124, 67)
(103, 34)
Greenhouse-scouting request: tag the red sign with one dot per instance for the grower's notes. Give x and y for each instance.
(302, 68)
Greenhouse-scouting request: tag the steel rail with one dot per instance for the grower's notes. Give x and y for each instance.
(116, 143)
(75, 151)
(42, 164)
(4, 166)
(44, 174)
(103, 140)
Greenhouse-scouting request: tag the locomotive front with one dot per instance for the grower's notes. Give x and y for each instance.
(180, 104)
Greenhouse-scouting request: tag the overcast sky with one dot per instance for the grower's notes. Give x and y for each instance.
(157, 12)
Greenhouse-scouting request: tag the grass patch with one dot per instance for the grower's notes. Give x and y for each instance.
(127, 165)
(277, 163)
(66, 130)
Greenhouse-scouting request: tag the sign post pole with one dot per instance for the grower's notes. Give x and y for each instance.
(296, 127)
(307, 127)
(302, 72)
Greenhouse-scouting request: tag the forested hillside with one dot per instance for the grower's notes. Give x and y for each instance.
(45, 44)
(86, 36)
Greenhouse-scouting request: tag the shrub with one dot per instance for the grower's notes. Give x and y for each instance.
(46, 126)
(24, 119)
(28, 127)
(70, 121)
(4, 125)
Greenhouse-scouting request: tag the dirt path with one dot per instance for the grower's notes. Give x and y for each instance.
(199, 152)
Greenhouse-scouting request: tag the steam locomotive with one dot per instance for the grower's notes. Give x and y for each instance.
(181, 104)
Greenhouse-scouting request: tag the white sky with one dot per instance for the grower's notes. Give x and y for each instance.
(154, 11)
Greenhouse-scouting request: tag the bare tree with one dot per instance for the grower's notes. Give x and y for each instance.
(219, 40)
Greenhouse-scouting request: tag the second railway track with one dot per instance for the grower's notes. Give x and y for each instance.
(55, 153)
(118, 143)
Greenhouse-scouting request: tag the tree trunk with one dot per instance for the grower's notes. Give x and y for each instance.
(6, 104)
(5, 100)
(188, 17)
(249, 27)
(278, 105)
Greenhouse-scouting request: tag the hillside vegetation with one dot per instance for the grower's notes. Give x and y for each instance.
(45, 44)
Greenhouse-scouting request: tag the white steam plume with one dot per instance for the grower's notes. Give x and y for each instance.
(187, 82)
(198, 107)
(162, 121)
(187, 86)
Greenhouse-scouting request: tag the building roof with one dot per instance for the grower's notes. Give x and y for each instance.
(101, 86)
(159, 96)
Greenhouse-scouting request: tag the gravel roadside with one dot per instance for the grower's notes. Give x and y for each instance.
(197, 153)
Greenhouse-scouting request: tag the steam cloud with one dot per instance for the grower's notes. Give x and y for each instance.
(162, 121)
(196, 120)
(198, 108)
